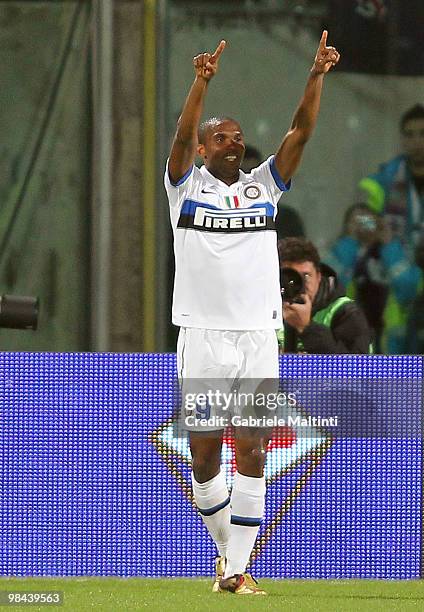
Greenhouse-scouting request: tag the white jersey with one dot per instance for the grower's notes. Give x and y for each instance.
(225, 243)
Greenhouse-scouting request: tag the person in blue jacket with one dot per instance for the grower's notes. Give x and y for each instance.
(397, 190)
(374, 266)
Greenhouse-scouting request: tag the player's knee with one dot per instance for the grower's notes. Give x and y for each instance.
(205, 467)
(251, 462)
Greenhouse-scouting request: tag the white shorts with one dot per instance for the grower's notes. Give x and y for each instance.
(237, 361)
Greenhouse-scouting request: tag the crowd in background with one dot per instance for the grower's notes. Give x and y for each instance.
(379, 256)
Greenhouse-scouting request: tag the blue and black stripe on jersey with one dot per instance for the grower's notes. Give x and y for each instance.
(208, 218)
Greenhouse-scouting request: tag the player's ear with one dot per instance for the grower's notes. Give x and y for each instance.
(201, 150)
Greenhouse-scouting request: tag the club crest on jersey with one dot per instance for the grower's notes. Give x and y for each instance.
(252, 192)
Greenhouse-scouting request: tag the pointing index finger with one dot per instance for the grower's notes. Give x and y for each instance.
(220, 48)
(323, 41)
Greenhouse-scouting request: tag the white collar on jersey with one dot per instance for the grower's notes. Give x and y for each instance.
(214, 183)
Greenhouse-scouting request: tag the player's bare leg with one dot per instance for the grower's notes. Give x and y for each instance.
(211, 493)
(205, 450)
(247, 507)
(250, 447)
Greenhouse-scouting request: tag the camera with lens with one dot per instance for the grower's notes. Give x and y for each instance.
(19, 312)
(292, 286)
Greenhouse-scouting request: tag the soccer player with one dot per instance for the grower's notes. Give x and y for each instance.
(226, 293)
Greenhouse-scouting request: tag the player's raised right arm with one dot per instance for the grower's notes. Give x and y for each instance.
(184, 146)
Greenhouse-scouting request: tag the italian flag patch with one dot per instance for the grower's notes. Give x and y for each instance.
(232, 201)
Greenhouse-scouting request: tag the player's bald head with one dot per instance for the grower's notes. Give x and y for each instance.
(211, 124)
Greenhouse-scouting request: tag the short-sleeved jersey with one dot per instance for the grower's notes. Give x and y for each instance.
(225, 244)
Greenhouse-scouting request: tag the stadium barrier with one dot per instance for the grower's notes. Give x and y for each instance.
(95, 476)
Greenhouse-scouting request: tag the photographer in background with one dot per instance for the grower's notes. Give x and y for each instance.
(375, 269)
(319, 318)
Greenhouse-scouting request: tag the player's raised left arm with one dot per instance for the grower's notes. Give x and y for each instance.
(289, 154)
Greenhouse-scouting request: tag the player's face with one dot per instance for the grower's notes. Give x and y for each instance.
(413, 140)
(223, 150)
(311, 276)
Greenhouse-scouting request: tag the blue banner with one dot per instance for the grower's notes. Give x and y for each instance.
(95, 481)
